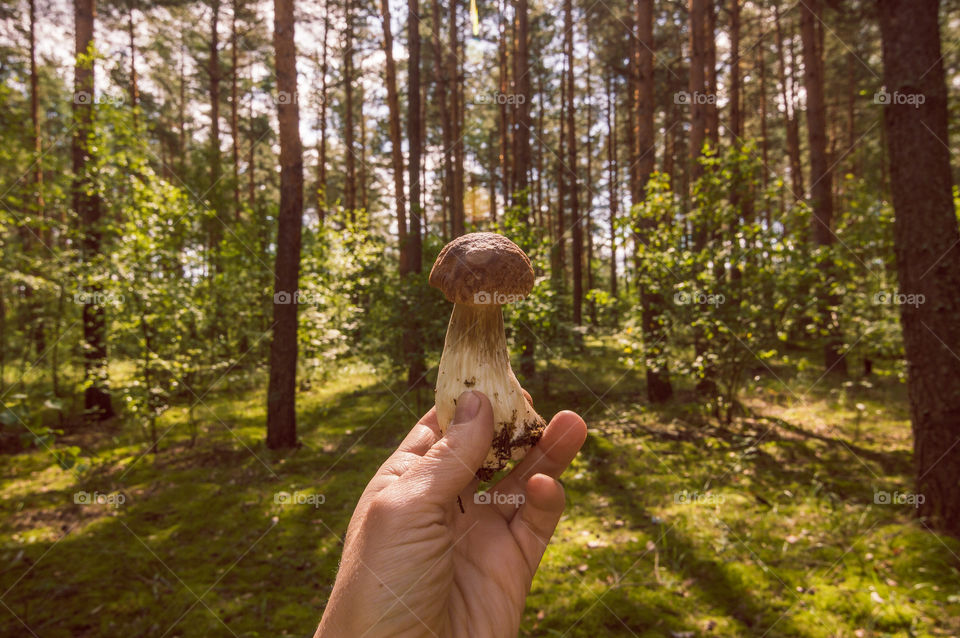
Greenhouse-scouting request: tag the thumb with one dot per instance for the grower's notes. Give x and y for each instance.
(450, 464)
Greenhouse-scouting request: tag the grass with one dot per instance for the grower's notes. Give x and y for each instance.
(676, 526)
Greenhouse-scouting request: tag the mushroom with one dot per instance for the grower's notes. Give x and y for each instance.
(480, 272)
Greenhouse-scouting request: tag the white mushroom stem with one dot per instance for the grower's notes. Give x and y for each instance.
(475, 357)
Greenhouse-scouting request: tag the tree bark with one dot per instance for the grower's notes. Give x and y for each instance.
(134, 91)
(926, 242)
(659, 388)
(35, 120)
(698, 122)
(576, 224)
(521, 95)
(712, 111)
(364, 177)
(504, 121)
(458, 225)
(791, 123)
(441, 88)
(412, 336)
(281, 394)
(820, 173)
(182, 105)
(396, 145)
(764, 144)
(612, 169)
(560, 266)
(322, 150)
(350, 185)
(235, 108)
(736, 126)
(86, 204)
(213, 73)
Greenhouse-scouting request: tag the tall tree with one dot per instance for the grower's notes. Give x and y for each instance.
(86, 204)
(521, 95)
(659, 388)
(787, 85)
(927, 245)
(441, 88)
(35, 115)
(322, 139)
(612, 170)
(134, 90)
(712, 112)
(215, 231)
(412, 336)
(235, 107)
(350, 184)
(698, 123)
(576, 223)
(458, 223)
(396, 145)
(281, 393)
(736, 125)
(821, 176)
(504, 121)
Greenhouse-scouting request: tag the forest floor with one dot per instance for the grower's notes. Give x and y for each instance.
(676, 526)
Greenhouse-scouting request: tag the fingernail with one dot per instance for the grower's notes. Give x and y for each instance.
(468, 405)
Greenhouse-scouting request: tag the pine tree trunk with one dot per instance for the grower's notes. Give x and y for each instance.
(456, 107)
(134, 91)
(441, 89)
(86, 204)
(504, 121)
(926, 242)
(612, 182)
(182, 105)
(521, 95)
(396, 144)
(350, 185)
(710, 62)
(576, 223)
(322, 142)
(235, 108)
(697, 88)
(213, 73)
(791, 124)
(659, 388)
(281, 393)
(412, 336)
(736, 126)
(35, 121)
(820, 173)
(364, 178)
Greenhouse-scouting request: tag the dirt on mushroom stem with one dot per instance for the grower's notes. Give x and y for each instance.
(475, 357)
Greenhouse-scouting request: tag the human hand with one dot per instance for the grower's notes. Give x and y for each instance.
(415, 565)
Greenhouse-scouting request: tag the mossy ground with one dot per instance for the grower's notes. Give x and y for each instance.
(675, 526)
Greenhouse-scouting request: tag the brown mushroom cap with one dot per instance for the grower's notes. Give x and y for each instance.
(482, 268)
